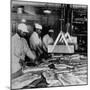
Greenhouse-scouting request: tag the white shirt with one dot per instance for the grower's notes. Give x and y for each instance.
(19, 49)
(35, 40)
(47, 40)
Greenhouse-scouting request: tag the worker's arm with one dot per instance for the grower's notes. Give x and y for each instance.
(44, 47)
(28, 51)
(45, 41)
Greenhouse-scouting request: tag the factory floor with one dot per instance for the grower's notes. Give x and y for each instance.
(61, 70)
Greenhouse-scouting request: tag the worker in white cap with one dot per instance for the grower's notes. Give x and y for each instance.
(48, 38)
(38, 28)
(36, 42)
(35, 38)
(20, 48)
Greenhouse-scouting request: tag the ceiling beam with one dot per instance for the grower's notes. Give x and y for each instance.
(32, 3)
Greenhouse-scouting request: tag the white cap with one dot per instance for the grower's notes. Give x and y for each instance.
(38, 26)
(22, 27)
(51, 30)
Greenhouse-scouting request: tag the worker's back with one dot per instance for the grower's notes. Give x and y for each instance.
(20, 48)
(16, 52)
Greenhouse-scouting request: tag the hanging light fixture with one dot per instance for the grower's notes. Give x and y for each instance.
(47, 11)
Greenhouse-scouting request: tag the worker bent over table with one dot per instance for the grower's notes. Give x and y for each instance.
(20, 48)
(36, 43)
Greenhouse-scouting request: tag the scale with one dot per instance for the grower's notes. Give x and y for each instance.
(63, 37)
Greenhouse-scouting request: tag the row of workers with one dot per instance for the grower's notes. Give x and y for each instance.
(20, 47)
